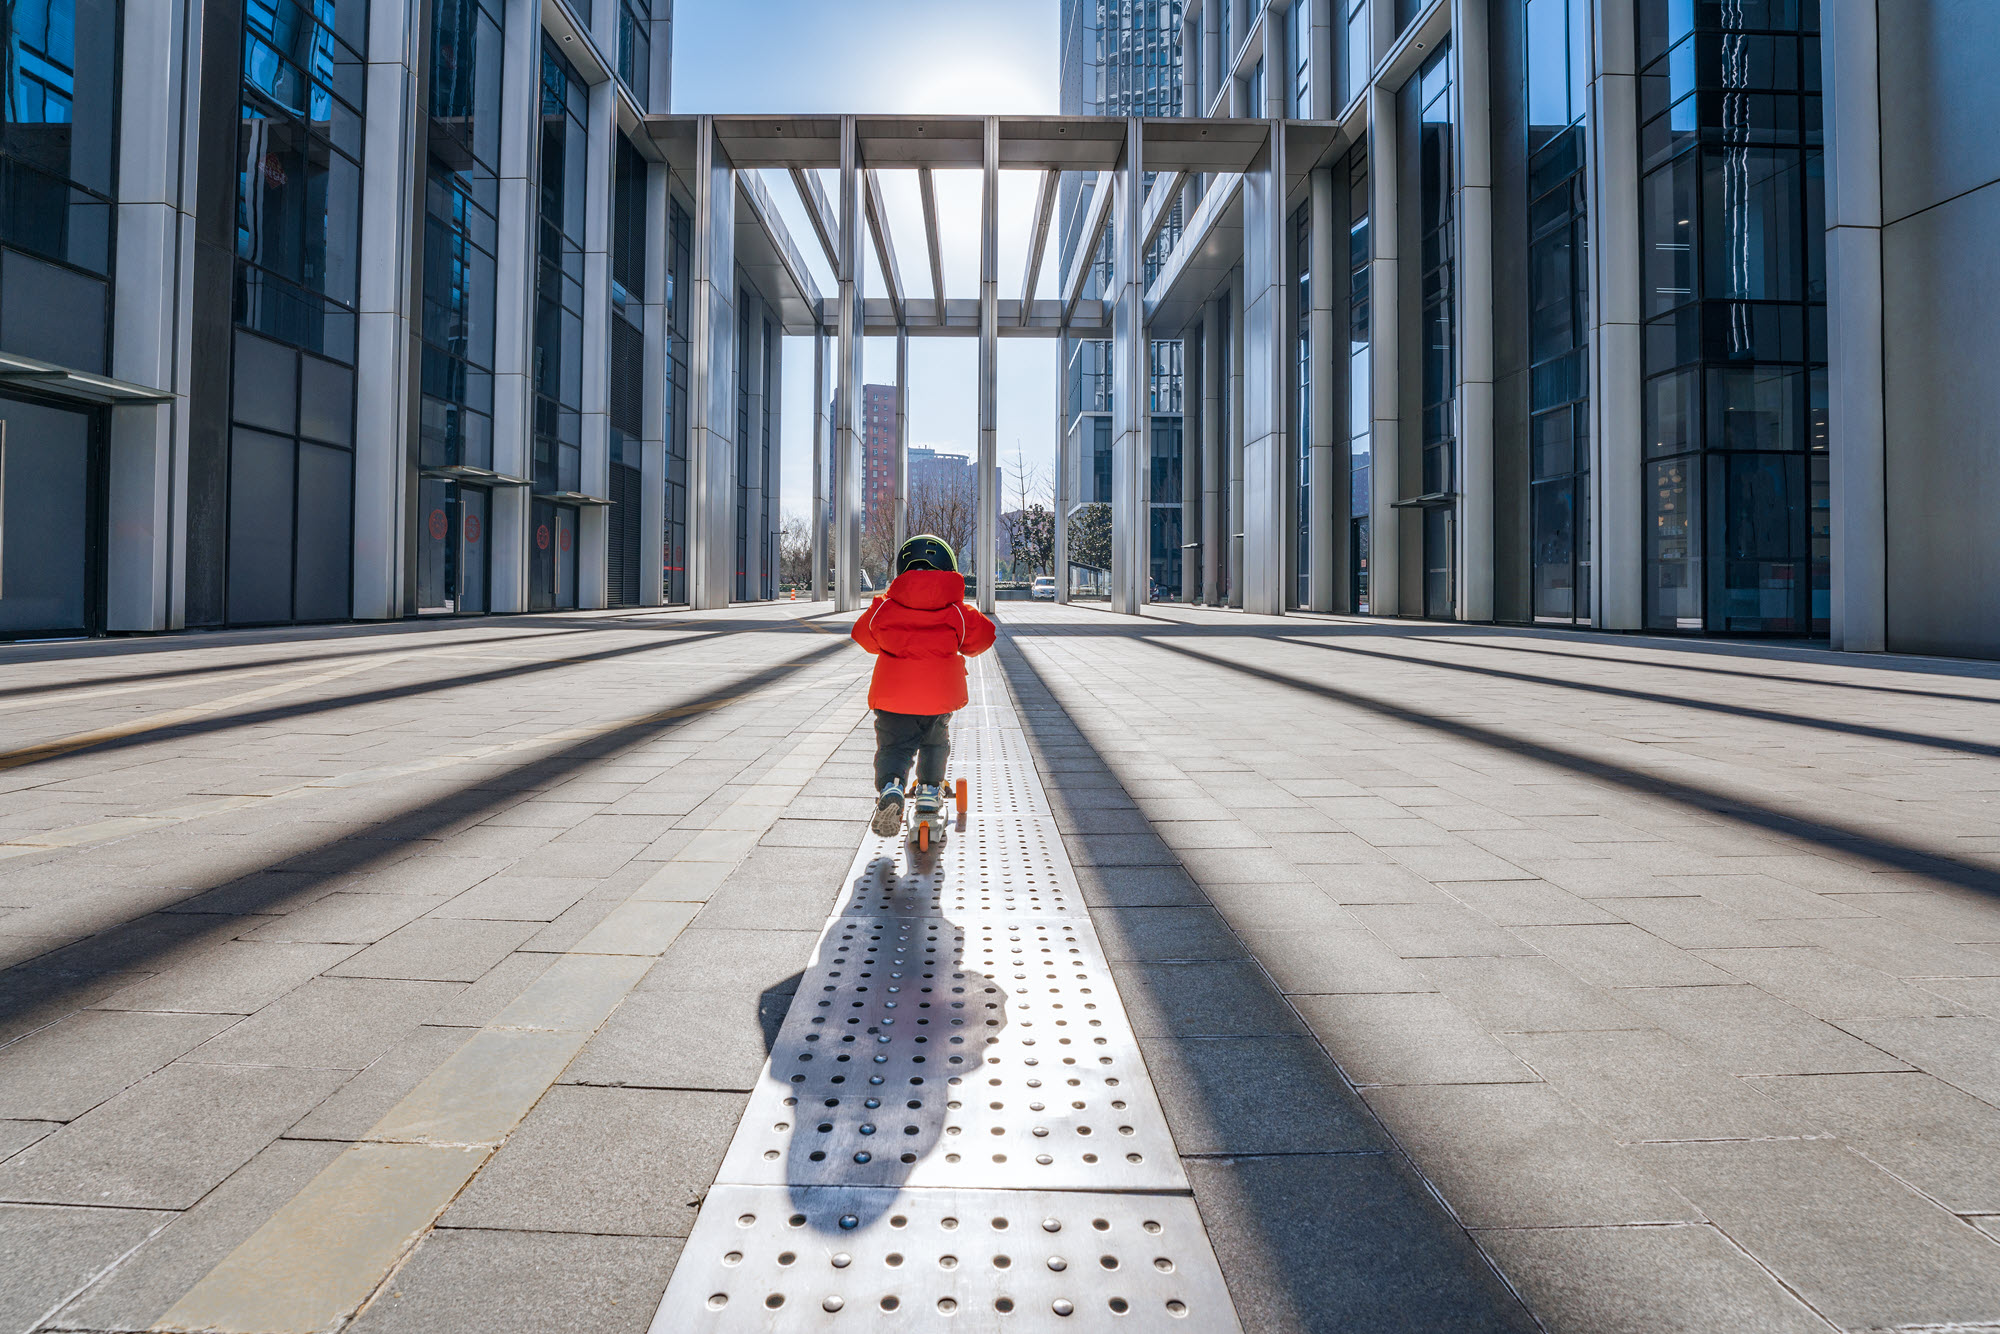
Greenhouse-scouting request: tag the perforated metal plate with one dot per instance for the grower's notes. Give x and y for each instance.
(925, 1053)
(955, 1129)
(990, 865)
(819, 1258)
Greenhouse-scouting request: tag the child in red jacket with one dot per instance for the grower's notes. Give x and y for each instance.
(921, 632)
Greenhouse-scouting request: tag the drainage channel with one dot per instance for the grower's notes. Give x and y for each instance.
(955, 1129)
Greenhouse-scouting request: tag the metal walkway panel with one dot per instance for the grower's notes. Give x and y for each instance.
(922, 1052)
(955, 1128)
(818, 1258)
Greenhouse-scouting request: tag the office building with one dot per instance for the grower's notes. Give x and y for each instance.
(310, 312)
(1121, 58)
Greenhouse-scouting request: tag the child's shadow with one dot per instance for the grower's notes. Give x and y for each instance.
(880, 1044)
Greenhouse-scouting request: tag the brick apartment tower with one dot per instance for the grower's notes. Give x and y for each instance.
(878, 445)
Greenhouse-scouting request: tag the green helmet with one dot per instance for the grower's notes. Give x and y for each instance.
(925, 552)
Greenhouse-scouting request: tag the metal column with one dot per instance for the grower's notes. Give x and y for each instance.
(818, 539)
(1214, 523)
(712, 377)
(989, 346)
(1266, 346)
(847, 380)
(902, 478)
(1061, 570)
(1384, 425)
(1131, 374)
(1233, 443)
(1193, 343)
(1470, 83)
(1848, 46)
(1615, 364)
(1326, 524)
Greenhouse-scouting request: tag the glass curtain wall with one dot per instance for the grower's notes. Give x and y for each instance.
(1359, 380)
(58, 138)
(1360, 54)
(674, 507)
(461, 206)
(558, 368)
(1734, 291)
(635, 50)
(1558, 68)
(628, 372)
(1298, 51)
(1437, 229)
(298, 207)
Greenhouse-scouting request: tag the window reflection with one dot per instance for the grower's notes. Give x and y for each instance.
(58, 93)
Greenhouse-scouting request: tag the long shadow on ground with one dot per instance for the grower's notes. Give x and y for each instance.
(1319, 1221)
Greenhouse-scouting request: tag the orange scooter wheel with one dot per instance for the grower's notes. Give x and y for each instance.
(963, 794)
(924, 837)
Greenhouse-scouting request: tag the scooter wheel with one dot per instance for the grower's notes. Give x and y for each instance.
(963, 794)
(924, 837)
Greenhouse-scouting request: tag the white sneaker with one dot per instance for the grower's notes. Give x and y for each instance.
(888, 810)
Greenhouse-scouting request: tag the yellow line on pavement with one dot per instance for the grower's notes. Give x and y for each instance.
(324, 1254)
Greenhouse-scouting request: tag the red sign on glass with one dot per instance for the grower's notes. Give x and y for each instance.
(542, 537)
(562, 539)
(472, 527)
(439, 525)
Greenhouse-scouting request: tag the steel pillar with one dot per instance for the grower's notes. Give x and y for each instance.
(1384, 425)
(1131, 376)
(988, 526)
(1214, 523)
(1326, 522)
(818, 525)
(1061, 570)
(847, 460)
(1193, 343)
(1617, 563)
(1470, 83)
(1860, 575)
(1266, 341)
(901, 501)
(712, 377)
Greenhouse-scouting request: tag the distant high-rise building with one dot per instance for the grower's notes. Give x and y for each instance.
(878, 448)
(1121, 58)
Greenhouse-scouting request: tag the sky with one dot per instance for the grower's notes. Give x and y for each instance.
(897, 56)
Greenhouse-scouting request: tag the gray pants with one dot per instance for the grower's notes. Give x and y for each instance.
(902, 737)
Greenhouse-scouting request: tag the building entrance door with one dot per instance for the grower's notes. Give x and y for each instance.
(1439, 591)
(451, 547)
(51, 520)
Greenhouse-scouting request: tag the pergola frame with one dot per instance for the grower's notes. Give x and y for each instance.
(1269, 158)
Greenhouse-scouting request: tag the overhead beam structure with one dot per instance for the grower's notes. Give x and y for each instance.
(722, 156)
(885, 249)
(928, 188)
(1038, 240)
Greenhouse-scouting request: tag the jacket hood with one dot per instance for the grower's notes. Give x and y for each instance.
(927, 590)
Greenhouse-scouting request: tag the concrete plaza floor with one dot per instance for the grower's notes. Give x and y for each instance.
(1490, 979)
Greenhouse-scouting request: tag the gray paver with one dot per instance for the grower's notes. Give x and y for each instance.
(1219, 999)
(525, 1282)
(673, 1039)
(1527, 995)
(1418, 1038)
(438, 949)
(229, 977)
(62, 1071)
(140, 1290)
(1164, 933)
(628, 1162)
(167, 1140)
(1944, 1142)
(354, 1108)
(1645, 1280)
(1517, 1155)
(1329, 961)
(1863, 1249)
(332, 1022)
(52, 1252)
(1329, 1243)
(1256, 1095)
(1963, 1050)
(1644, 1085)
(1622, 956)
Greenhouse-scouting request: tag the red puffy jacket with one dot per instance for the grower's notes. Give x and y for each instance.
(922, 632)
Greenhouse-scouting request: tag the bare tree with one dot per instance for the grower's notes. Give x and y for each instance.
(1028, 488)
(795, 549)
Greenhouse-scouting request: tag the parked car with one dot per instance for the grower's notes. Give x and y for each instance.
(1044, 589)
